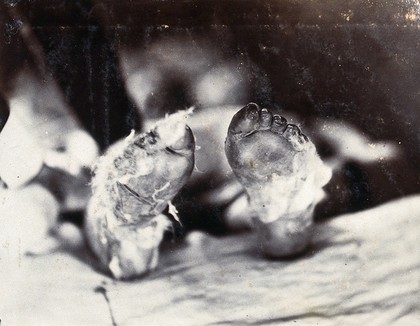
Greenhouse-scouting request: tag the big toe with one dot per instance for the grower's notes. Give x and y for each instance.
(175, 134)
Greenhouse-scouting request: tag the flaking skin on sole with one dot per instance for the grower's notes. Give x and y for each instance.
(282, 174)
(134, 181)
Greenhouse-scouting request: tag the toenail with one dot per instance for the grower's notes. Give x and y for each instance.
(279, 120)
(252, 110)
(295, 130)
(266, 118)
(184, 142)
(253, 106)
(279, 124)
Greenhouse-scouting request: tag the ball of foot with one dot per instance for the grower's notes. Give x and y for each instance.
(280, 170)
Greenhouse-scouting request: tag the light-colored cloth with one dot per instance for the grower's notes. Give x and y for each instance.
(363, 269)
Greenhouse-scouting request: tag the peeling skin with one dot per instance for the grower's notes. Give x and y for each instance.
(133, 183)
(282, 175)
(276, 164)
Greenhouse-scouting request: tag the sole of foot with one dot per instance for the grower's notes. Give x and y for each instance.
(282, 174)
(134, 181)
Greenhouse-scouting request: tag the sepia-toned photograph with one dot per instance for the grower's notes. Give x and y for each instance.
(209, 162)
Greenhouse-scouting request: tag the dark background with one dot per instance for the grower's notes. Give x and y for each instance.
(355, 61)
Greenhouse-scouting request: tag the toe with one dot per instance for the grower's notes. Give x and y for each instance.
(184, 143)
(245, 121)
(292, 131)
(295, 136)
(279, 124)
(266, 119)
(252, 110)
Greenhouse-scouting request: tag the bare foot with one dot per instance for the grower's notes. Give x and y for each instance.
(133, 183)
(282, 174)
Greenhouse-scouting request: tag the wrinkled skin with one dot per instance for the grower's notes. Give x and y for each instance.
(276, 165)
(134, 182)
(282, 175)
(352, 86)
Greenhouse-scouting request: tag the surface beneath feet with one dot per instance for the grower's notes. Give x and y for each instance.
(362, 269)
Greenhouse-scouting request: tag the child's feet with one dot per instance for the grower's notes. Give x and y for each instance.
(282, 174)
(133, 183)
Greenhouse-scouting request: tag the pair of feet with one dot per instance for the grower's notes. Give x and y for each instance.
(134, 182)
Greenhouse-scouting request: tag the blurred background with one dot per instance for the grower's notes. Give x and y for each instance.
(353, 65)
(76, 76)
